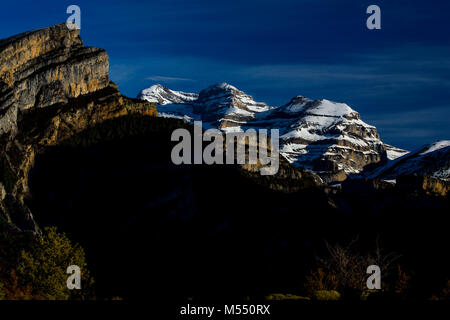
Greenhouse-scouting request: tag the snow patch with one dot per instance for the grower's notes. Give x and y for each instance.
(437, 146)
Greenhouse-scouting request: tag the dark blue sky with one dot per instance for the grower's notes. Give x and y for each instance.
(398, 77)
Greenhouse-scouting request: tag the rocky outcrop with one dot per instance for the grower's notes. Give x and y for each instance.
(44, 67)
(425, 184)
(405, 184)
(51, 88)
(288, 179)
(226, 107)
(221, 106)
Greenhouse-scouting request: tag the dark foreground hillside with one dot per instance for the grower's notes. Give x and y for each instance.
(151, 228)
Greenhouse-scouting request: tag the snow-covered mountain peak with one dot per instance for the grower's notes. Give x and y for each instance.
(438, 145)
(224, 86)
(227, 105)
(329, 108)
(161, 95)
(323, 108)
(296, 105)
(155, 89)
(220, 90)
(431, 159)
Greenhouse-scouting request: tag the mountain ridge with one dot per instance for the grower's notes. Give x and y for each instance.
(323, 136)
(431, 159)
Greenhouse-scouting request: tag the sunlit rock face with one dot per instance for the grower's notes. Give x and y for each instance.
(51, 88)
(44, 67)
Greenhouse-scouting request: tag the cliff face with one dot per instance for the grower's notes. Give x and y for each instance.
(51, 87)
(426, 184)
(44, 67)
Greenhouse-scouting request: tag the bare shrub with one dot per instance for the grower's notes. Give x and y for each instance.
(344, 268)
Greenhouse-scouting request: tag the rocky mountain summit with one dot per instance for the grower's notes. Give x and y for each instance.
(326, 137)
(162, 95)
(220, 106)
(429, 160)
(51, 87)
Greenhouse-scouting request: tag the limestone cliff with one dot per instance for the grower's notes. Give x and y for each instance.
(51, 87)
(44, 67)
